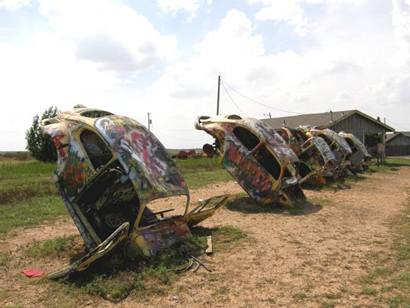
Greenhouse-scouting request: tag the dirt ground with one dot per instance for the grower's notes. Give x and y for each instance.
(314, 257)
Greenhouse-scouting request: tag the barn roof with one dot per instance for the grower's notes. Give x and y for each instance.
(390, 137)
(324, 119)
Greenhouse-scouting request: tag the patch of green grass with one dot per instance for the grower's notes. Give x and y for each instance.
(398, 162)
(22, 189)
(391, 164)
(31, 168)
(399, 301)
(223, 238)
(31, 212)
(20, 181)
(198, 164)
(4, 259)
(117, 275)
(394, 277)
(3, 294)
(299, 296)
(369, 291)
(403, 280)
(378, 273)
(28, 195)
(200, 179)
(53, 247)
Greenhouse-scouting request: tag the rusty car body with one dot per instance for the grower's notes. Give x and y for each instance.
(337, 144)
(360, 158)
(316, 159)
(109, 169)
(256, 156)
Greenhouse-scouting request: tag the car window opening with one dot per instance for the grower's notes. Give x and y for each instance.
(96, 149)
(95, 114)
(269, 162)
(248, 139)
(303, 169)
(157, 211)
(109, 201)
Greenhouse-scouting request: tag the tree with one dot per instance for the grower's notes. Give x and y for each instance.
(41, 146)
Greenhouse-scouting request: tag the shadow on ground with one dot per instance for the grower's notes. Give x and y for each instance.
(337, 184)
(124, 271)
(244, 204)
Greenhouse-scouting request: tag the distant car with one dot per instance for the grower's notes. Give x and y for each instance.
(360, 158)
(317, 160)
(256, 156)
(338, 145)
(109, 169)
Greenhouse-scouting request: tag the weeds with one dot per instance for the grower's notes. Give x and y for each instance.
(4, 259)
(200, 179)
(28, 195)
(31, 212)
(117, 275)
(395, 276)
(54, 247)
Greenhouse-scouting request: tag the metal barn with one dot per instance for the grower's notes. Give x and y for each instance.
(356, 122)
(398, 144)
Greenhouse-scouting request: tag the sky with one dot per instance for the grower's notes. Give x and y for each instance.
(281, 57)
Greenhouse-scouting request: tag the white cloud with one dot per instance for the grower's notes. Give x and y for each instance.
(13, 5)
(109, 33)
(104, 54)
(401, 22)
(293, 12)
(174, 6)
(289, 11)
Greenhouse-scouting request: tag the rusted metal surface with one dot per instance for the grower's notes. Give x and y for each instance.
(337, 144)
(256, 156)
(317, 160)
(360, 157)
(109, 169)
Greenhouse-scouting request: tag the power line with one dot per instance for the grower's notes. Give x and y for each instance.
(257, 102)
(230, 97)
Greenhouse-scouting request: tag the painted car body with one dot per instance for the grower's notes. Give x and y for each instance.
(337, 144)
(360, 157)
(109, 169)
(317, 160)
(256, 157)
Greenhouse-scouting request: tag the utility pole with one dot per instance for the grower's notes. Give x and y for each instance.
(149, 120)
(217, 97)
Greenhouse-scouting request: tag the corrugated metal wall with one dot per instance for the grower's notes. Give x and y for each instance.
(399, 146)
(359, 126)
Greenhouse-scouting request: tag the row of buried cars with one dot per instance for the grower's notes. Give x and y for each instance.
(111, 172)
(271, 163)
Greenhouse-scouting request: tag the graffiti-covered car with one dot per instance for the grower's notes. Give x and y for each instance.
(316, 159)
(337, 144)
(256, 157)
(360, 157)
(110, 169)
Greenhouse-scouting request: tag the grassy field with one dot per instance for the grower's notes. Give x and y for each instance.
(393, 276)
(28, 195)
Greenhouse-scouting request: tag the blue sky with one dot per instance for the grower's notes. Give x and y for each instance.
(164, 56)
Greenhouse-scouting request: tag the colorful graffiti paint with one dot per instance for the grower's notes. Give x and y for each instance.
(109, 169)
(256, 156)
